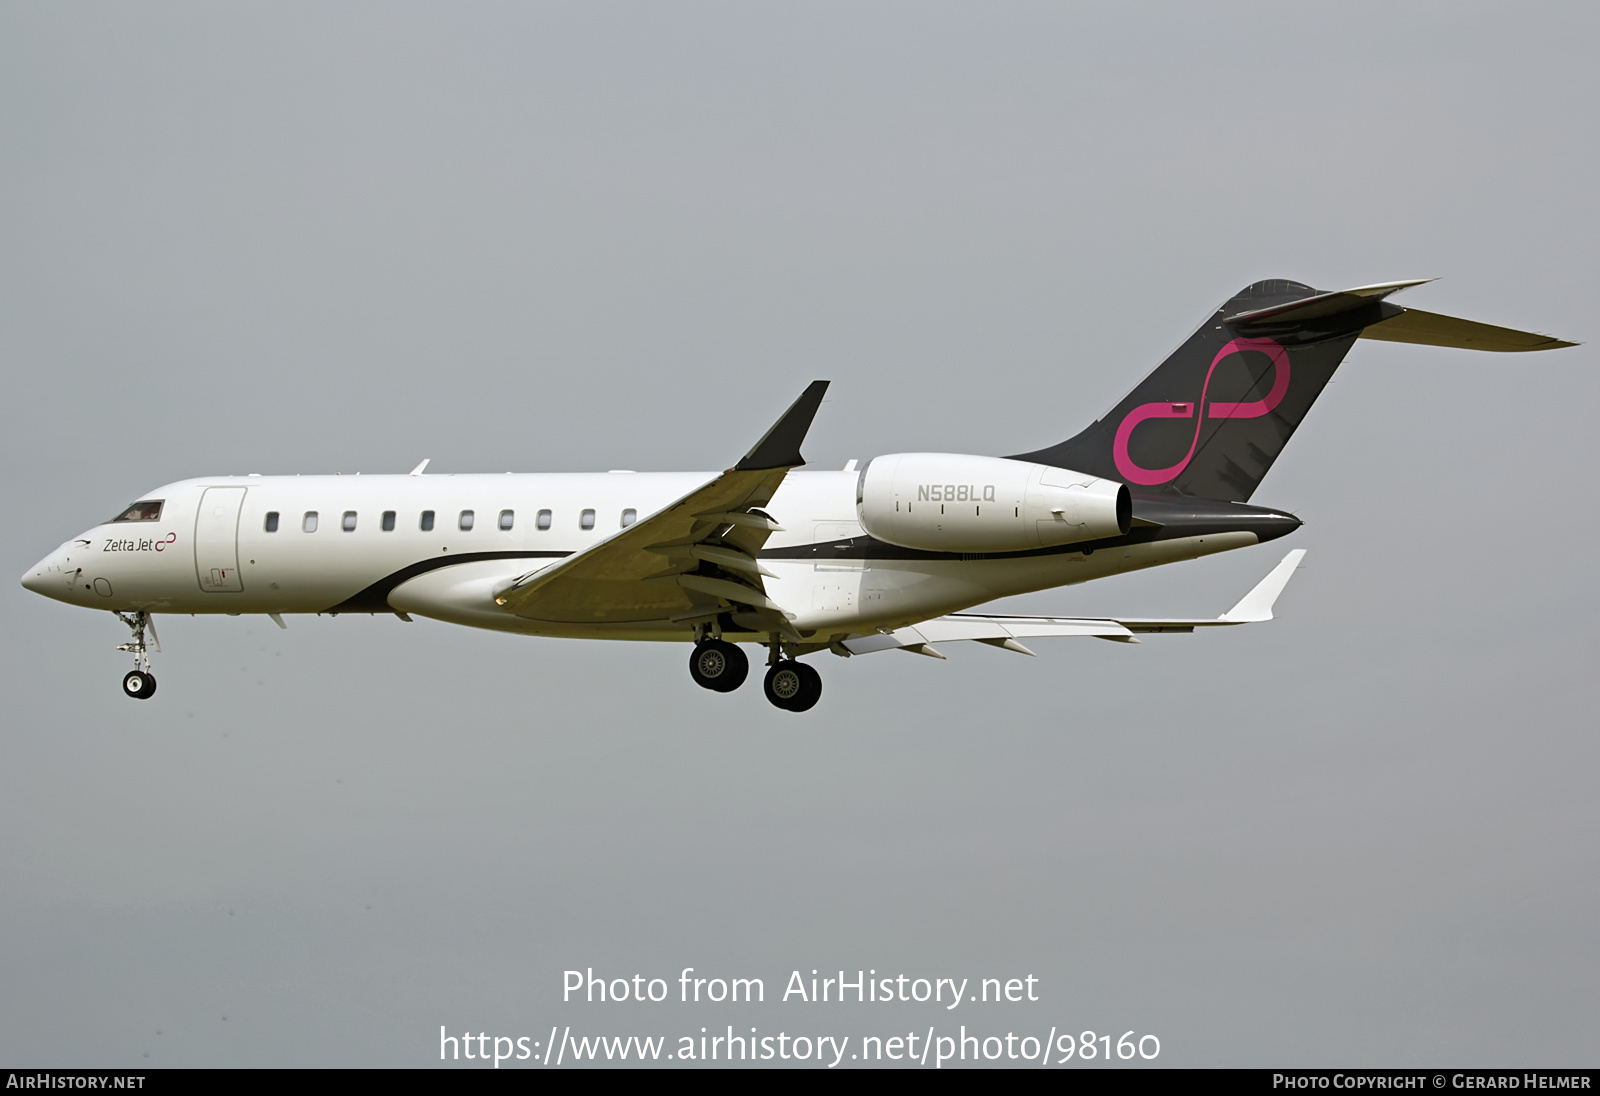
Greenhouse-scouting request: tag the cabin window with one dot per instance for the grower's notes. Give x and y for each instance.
(271, 525)
(507, 518)
(629, 517)
(388, 521)
(427, 521)
(544, 519)
(466, 521)
(349, 522)
(586, 520)
(309, 522)
(146, 510)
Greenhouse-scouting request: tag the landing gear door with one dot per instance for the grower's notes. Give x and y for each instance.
(216, 540)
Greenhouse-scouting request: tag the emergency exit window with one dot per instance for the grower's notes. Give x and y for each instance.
(427, 521)
(272, 521)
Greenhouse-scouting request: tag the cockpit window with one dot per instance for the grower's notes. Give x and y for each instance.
(146, 510)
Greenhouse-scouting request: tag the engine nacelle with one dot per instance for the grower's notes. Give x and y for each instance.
(953, 502)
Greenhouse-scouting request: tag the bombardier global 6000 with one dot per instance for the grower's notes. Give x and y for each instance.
(891, 555)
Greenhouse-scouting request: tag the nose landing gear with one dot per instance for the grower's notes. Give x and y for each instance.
(139, 682)
(139, 685)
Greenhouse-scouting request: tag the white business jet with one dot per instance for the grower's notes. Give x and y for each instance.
(887, 556)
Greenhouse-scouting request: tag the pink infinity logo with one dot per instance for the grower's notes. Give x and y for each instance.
(1134, 473)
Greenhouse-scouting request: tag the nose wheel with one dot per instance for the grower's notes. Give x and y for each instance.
(139, 683)
(718, 665)
(793, 686)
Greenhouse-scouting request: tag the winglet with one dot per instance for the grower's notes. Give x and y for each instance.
(780, 446)
(1257, 604)
(417, 471)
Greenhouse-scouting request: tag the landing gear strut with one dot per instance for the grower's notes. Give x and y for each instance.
(718, 665)
(139, 683)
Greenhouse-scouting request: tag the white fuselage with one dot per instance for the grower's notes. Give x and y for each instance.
(211, 551)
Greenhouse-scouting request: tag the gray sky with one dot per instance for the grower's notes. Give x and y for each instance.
(307, 238)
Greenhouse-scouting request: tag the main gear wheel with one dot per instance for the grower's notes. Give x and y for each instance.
(793, 686)
(718, 665)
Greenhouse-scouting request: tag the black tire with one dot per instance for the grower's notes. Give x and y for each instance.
(810, 688)
(782, 684)
(718, 665)
(793, 686)
(139, 685)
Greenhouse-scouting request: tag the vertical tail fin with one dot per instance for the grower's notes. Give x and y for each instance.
(1212, 418)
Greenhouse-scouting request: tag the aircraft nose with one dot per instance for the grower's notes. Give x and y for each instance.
(34, 577)
(49, 576)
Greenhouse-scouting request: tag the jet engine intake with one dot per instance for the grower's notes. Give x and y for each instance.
(955, 502)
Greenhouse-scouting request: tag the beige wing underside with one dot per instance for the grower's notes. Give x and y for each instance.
(686, 562)
(689, 562)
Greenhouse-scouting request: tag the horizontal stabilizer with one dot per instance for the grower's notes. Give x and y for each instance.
(1322, 305)
(1431, 329)
(1364, 310)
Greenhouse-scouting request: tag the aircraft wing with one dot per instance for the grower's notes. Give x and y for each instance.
(689, 561)
(1006, 631)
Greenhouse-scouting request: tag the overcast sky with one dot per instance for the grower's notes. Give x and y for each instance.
(318, 237)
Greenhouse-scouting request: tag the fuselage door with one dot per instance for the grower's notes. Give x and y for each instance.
(216, 540)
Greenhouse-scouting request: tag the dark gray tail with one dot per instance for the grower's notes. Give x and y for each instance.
(1212, 418)
(1209, 422)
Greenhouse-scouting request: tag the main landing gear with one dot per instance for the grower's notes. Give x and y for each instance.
(792, 685)
(139, 682)
(718, 665)
(722, 667)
